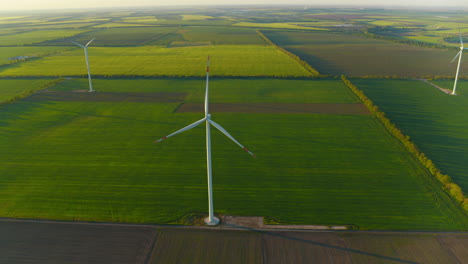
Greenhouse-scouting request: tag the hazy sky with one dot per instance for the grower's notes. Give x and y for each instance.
(49, 4)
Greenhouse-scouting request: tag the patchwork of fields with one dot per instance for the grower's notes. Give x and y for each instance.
(358, 56)
(322, 158)
(435, 121)
(94, 160)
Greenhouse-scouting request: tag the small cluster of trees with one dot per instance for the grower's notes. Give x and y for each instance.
(291, 55)
(453, 189)
(29, 92)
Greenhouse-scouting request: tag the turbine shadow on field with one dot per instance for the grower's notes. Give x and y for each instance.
(301, 240)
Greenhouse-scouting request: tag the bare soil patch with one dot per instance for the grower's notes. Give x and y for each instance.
(84, 95)
(277, 108)
(28, 242)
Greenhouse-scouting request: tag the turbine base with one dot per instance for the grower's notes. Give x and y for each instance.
(214, 221)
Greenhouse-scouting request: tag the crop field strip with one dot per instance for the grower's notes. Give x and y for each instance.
(103, 243)
(78, 138)
(230, 60)
(439, 131)
(342, 54)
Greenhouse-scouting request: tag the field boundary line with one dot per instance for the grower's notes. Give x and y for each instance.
(447, 91)
(293, 56)
(448, 186)
(221, 227)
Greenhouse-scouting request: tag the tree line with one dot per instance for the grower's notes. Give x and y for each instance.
(448, 185)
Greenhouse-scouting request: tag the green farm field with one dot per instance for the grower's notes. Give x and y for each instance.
(95, 161)
(435, 121)
(358, 56)
(227, 60)
(37, 36)
(11, 88)
(124, 36)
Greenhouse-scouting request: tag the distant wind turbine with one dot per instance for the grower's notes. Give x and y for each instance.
(85, 47)
(211, 219)
(459, 55)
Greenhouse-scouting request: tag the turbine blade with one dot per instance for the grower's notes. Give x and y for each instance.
(76, 43)
(181, 130)
(89, 42)
(459, 34)
(207, 81)
(220, 128)
(456, 56)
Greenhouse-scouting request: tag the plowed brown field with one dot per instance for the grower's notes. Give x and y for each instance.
(278, 108)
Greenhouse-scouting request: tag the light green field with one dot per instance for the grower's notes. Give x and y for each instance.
(121, 25)
(95, 161)
(37, 36)
(274, 25)
(435, 121)
(195, 17)
(227, 60)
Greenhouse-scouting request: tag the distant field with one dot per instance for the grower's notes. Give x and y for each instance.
(222, 35)
(95, 161)
(37, 36)
(275, 25)
(9, 54)
(11, 88)
(131, 36)
(358, 56)
(227, 60)
(435, 121)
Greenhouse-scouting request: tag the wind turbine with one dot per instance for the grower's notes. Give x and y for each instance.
(459, 55)
(85, 47)
(211, 219)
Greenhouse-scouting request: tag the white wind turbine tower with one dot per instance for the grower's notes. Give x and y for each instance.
(211, 219)
(85, 47)
(459, 55)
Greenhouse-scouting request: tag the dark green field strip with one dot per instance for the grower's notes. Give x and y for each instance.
(435, 121)
(227, 90)
(85, 95)
(95, 161)
(346, 54)
(9, 89)
(131, 36)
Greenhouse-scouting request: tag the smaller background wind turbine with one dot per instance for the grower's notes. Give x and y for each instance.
(211, 219)
(85, 47)
(459, 55)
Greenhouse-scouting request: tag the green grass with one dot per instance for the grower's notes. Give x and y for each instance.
(95, 161)
(227, 60)
(357, 56)
(37, 36)
(11, 88)
(435, 121)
